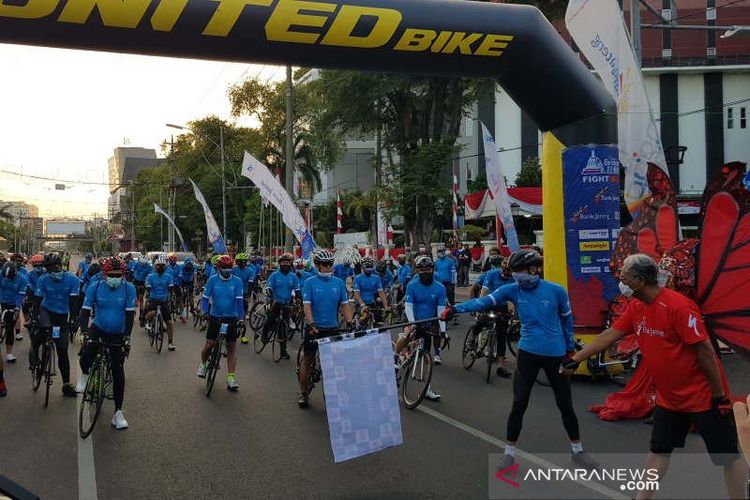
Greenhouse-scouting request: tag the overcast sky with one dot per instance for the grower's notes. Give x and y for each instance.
(62, 112)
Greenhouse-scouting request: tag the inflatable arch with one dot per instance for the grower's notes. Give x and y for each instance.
(514, 44)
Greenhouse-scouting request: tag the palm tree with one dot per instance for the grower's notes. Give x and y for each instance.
(5, 214)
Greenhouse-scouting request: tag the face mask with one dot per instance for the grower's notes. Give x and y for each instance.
(114, 282)
(160, 270)
(422, 249)
(57, 276)
(367, 270)
(526, 280)
(325, 276)
(284, 269)
(425, 278)
(625, 290)
(225, 273)
(441, 255)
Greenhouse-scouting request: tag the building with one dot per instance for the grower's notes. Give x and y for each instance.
(124, 166)
(19, 210)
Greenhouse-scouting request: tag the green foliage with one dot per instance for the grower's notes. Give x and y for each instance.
(8, 231)
(530, 174)
(473, 232)
(478, 184)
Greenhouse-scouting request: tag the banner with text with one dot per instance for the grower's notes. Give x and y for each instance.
(591, 194)
(159, 210)
(212, 228)
(272, 190)
(361, 395)
(496, 185)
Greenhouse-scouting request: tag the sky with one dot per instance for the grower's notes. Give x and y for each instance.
(62, 112)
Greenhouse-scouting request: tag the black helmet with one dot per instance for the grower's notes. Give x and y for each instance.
(368, 262)
(94, 269)
(9, 270)
(323, 256)
(523, 259)
(424, 263)
(380, 266)
(52, 260)
(496, 260)
(402, 257)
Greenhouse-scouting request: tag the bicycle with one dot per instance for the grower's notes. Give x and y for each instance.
(611, 364)
(481, 343)
(213, 363)
(316, 373)
(278, 334)
(98, 388)
(46, 367)
(259, 314)
(155, 330)
(415, 373)
(7, 320)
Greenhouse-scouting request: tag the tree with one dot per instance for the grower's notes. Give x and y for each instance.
(5, 214)
(530, 174)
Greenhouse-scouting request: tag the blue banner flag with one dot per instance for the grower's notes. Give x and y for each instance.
(212, 228)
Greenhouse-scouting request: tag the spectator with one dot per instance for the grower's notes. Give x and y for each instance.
(487, 266)
(464, 263)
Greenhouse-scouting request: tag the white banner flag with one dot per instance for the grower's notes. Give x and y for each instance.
(212, 228)
(271, 189)
(496, 184)
(599, 31)
(159, 210)
(382, 226)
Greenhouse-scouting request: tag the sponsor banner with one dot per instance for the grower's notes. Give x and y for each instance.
(592, 215)
(499, 191)
(361, 396)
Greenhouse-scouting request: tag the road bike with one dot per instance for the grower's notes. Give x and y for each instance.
(98, 387)
(278, 334)
(316, 374)
(155, 329)
(481, 342)
(415, 370)
(45, 369)
(218, 351)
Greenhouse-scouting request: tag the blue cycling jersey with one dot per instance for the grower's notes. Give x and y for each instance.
(225, 297)
(494, 279)
(158, 285)
(368, 286)
(141, 271)
(282, 286)
(83, 266)
(187, 275)
(23, 271)
(480, 280)
(208, 269)
(404, 274)
(303, 276)
(325, 295)
(258, 268)
(34, 276)
(246, 276)
(92, 280)
(13, 291)
(176, 272)
(544, 311)
(55, 293)
(343, 271)
(110, 305)
(445, 270)
(425, 300)
(386, 279)
(131, 265)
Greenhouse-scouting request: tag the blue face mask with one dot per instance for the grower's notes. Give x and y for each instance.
(526, 280)
(367, 270)
(114, 281)
(325, 276)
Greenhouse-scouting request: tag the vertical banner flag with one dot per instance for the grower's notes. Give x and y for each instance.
(455, 205)
(159, 210)
(591, 184)
(361, 396)
(271, 189)
(295, 184)
(382, 226)
(339, 214)
(599, 31)
(496, 184)
(212, 228)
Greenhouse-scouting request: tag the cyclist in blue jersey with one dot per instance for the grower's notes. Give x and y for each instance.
(140, 273)
(37, 270)
(212, 266)
(403, 275)
(83, 266)
(385, 275)
(188, 278)
(302, 273)
(113, 301)
(258, 263)
(158, 287)
(175, 270)
(222, 301)
(546, 337)
(207, 267)
(446, 273)
(425, 298)
(281, 287)
(343, 270)
(322, 298)
(55, 293)
(130, 264)
(368, 292)
(13, 287)
(246, 274)
(93, 275)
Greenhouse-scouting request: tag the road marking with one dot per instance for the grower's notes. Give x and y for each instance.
(86, 469)
(594, 486)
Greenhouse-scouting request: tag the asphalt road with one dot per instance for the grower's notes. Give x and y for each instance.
(257, 443)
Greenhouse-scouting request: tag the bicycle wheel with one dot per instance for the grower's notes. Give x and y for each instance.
(416, 378)
(490, 355)
(159, 333)
(258, 316)
(36, 376)
(91, 402)
(468, 357)
(47, 362)
(513, 336)
(213, 367)
(279, 337)
(152, 333)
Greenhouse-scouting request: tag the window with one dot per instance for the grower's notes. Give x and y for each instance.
(469, 126)
(730, 118)
(743, 117)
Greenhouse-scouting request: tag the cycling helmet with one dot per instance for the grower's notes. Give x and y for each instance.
(37, 260)
(496, 260)
(286, 257)
(94, 269)
(215, 259)
(160, 261)
(299, 264)
(129, 256)
(323, 256)
(522, 259)
(241, 256)
(368, 262)
(17, 257)
(172, 258)
(441, 249)
(402, 258)
(88, 256)
(52, 260)
(424, 263)
(225, 262)
(113, 265)
(381, 266)
(9, 271)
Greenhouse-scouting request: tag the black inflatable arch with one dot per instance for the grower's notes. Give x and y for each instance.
(514, 44)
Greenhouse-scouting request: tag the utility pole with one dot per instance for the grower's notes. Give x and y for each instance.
(289, 147)
(635, 29)
(378, 167)
(132, 220)
(223, 187)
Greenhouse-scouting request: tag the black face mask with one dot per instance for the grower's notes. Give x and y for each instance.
(426, 278)
(284, 269)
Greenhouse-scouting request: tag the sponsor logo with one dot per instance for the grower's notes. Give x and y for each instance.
(593, 166)
(591, 270)
(593, 234)
(585, 259)
(643, 329)
(693, 323)
(593, 246)
(579, 214)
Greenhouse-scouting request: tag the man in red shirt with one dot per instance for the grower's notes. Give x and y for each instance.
(690, 388)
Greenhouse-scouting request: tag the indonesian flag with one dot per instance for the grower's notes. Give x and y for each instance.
(339, 214)
(390, 234)
(455, 205)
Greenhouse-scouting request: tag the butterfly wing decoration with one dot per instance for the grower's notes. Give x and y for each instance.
(723, 259)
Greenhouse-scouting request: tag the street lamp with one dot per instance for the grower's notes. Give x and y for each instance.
(223, 188)
(742, 30)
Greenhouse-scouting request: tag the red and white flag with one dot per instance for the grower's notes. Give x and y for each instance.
(339, 214)
(455, 205)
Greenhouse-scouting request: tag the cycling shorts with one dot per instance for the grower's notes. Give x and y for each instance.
(214, 328)
(166, 312)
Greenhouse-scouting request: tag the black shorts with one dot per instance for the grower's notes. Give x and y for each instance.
(310, 347)
(140, 286)
(166, 312)
(214, 327)
(718, 433)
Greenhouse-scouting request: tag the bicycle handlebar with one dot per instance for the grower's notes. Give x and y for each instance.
(362, 333)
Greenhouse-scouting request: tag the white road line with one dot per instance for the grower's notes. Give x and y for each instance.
(594, 486)
(86, 469)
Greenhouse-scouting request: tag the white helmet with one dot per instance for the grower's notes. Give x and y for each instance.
(160, 260)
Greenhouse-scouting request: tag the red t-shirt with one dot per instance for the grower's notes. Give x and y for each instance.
(666, 329)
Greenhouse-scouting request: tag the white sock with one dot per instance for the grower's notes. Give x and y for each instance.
(576, 447)
(510, 449)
